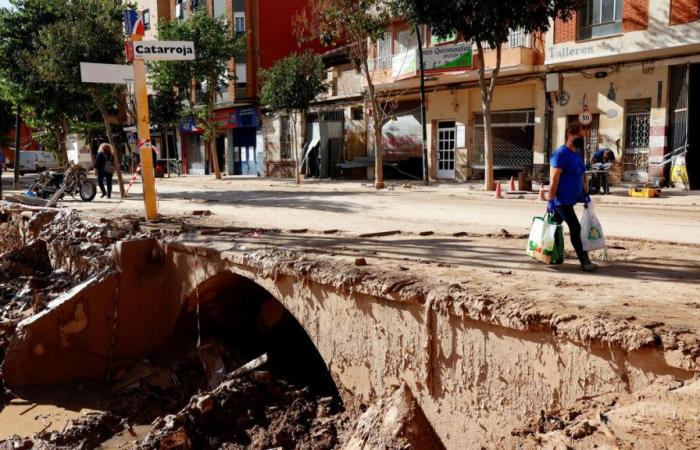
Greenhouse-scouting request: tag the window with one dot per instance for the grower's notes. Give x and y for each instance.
(599, 18)
(407, 41)
(637, 131)
(241, 75)
(239, 22)
(180, 9)
(146, 17)
(219, 8)
(285, 138)
(357, 113)
(384, 59)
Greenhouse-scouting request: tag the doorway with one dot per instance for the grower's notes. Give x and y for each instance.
(244, 155)
(683, 111)
(446, 150)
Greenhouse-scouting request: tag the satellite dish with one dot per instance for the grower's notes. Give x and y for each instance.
(563, 98)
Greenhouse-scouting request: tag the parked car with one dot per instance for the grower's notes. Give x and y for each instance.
(36, 161)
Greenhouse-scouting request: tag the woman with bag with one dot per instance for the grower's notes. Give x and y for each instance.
(568, 186)
(104, 166)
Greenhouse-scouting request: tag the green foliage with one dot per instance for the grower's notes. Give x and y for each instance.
(41, 101)
(215, 45)
(165, 109)
(7, 122)
(293, 83)
(338, 22)
(485, 20)
(89, 31)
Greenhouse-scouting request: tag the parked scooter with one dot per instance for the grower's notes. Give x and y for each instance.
(52, 184)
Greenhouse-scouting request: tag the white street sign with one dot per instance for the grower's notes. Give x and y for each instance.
(164, 50)
(106, 73)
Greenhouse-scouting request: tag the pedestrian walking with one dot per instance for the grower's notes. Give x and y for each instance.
(104, 166)
(568, 186)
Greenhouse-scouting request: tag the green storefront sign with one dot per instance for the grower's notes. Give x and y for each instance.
(443, 58)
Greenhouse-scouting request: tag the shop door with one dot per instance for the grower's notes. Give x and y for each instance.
(244, 151)
(447, 132)
(195, 158)
(678, 109)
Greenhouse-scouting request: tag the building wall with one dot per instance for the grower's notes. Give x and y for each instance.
(460, 105)
(657, 39)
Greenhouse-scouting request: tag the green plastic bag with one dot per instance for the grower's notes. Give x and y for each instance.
(546, 240)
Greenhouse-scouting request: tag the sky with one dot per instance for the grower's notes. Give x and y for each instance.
(4, 3)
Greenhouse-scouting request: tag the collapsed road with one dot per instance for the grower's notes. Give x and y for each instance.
(172, 336)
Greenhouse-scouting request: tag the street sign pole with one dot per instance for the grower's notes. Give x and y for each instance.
(144, 143)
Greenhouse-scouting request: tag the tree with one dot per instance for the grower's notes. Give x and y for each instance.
(359, 24)
(290, 86)
(486, 22)
(165, 110)
(43, 103)
(215, 45)
(89, 31)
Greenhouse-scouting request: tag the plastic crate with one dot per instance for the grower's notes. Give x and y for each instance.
(645, 192)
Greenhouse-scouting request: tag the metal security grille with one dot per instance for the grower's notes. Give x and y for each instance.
(638, 127)
(326, 116)
(513, 139)
(285, 138)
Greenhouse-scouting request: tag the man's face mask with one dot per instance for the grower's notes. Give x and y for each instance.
(579, 142)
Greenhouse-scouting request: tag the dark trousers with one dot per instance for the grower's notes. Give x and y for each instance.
(566, 213)
(105, 179)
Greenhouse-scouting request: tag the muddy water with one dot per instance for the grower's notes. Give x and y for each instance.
(25, 418)
(47, 409)
(126, 439)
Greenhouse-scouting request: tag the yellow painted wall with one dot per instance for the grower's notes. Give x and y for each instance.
(632, 83)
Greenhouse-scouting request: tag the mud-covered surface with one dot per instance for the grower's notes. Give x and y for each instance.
(184, 405)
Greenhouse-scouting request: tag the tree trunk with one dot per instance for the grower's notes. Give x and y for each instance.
(486, 99)
(62, 149)
(378, 155)
(110, 138)
(212, 138)
(295, 148)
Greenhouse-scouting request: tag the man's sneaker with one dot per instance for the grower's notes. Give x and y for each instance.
(589, 267)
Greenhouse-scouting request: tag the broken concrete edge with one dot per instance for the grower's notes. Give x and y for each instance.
(598, 331)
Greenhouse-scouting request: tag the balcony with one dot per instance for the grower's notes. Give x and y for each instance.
(521, 49)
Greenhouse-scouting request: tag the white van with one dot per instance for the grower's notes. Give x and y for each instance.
(79, 152)
(36, 161)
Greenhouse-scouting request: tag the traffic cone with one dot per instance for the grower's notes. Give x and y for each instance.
(542, 193)
(511, 188)
(498, 190)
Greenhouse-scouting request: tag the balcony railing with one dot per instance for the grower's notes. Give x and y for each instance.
(517, 39)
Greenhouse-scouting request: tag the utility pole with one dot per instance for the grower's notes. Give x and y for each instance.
(426, 173)
(18, 122)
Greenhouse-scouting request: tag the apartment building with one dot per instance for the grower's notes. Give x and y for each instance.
(453, 109)
(267, 27)
(634, 65)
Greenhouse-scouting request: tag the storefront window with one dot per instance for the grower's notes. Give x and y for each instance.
(599, 18)
(285, 138)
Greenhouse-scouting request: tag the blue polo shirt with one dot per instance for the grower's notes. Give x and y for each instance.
(571, 179)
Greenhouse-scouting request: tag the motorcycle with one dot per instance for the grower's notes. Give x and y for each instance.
(74, 181)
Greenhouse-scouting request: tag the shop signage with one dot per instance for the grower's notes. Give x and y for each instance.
(437, 59)
(236, 118)
(448, 57)
(189, 125)
(164, 50)
(133, 25)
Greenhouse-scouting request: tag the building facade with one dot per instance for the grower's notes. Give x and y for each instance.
(634, 66)
(453, 108)
(269, 36)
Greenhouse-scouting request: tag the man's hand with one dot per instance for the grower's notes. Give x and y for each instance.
(551, 207)
(586, 199)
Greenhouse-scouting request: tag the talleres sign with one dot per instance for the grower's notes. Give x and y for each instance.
(164, 50)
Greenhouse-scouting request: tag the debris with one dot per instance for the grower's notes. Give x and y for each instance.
(251, 366)
(380, 234)
(330, 231)
(360, 262)
(201, 212)
(426, 233)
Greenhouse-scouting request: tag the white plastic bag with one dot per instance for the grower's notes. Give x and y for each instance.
(591, 231)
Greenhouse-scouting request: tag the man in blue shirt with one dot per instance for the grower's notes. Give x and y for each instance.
(568, 186)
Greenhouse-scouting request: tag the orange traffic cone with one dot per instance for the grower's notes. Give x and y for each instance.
(542, 193)
(511, 188)
(498, 190)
